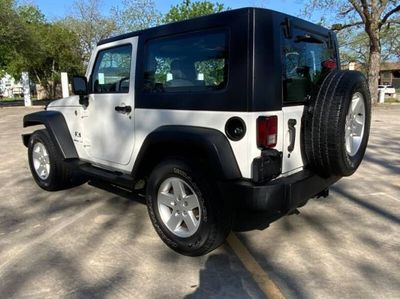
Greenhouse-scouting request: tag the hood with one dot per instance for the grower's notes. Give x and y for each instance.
(72, 101)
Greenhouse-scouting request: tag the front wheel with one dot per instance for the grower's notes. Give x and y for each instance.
(186, 209)
(48, 169)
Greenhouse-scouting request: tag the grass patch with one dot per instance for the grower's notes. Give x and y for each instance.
(392, 100)
(14, 99)
(10, 99)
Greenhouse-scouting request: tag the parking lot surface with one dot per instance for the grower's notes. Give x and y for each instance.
(87, 242)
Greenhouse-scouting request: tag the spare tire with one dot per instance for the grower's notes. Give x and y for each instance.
(336, 124)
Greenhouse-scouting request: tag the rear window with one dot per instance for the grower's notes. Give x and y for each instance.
(307, 59)
(196, 62)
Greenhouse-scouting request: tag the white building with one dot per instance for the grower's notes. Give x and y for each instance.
(9, 87)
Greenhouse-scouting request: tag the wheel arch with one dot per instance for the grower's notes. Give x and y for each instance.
(57, 127)
(192, 143)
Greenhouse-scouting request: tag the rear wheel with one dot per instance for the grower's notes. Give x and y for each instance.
(186, 210)
(48, 169)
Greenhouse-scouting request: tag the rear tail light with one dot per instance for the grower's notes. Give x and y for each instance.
(267, 131)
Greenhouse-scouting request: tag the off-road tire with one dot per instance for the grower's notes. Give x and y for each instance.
(216, 215)
(61, 176)
(325, 121)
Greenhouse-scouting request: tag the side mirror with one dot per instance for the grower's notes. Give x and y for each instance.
(79, 87)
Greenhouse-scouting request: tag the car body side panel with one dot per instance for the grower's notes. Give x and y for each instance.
(245, 150)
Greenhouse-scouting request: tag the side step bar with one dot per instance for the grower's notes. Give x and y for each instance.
(112, 177)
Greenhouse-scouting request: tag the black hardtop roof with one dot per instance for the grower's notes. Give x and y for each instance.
(181, 25)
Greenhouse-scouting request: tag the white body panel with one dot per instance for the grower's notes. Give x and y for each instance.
(292, 161)
(245, 150)
(147, 120)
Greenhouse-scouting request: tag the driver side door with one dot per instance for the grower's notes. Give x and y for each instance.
(108, 120)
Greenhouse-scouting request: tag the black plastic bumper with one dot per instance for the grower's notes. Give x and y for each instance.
(282, 195)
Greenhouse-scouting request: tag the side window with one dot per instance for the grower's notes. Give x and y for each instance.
(193, 63)
(112, 70)
(305, 58)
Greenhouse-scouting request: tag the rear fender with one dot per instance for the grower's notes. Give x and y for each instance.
(192, 142)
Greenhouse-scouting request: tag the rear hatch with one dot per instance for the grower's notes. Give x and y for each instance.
(306, 59)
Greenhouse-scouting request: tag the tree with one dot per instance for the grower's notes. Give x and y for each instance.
(30, 14)
(12, 32)
(370, 15)
(136, 15)
(89, 24)
(44, 49)
(355, 45)
(188, 9)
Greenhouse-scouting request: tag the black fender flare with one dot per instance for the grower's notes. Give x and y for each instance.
(57, 127)
(171, 139)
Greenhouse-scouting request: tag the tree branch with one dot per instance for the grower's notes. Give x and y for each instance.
(387, 16)
(365, 10)
(338, 27)
(359, 9)
(346, 11)
(382, 6)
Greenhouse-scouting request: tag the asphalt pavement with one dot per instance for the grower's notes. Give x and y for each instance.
(90, 243)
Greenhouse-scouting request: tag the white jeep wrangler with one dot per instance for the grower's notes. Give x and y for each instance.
(232, 120)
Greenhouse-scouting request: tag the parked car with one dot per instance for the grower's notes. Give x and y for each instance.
(241, 112)
(387, 89)
(18, 91)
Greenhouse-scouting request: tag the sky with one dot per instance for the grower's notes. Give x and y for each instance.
(59, 8)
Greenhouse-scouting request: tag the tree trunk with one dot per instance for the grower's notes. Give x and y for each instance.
(373, 74)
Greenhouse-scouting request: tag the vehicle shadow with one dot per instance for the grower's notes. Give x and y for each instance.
(224, 277)
(365, 251)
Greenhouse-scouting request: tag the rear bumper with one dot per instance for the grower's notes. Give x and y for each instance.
(281, 196)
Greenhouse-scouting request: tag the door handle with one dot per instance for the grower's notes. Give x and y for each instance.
(292, 134)
(123, 109)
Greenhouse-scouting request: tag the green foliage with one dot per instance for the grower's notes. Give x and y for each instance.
(30, 14)
(29, 43)
(12, 32)
(213, 71)
(188, 9)
(135, 15)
